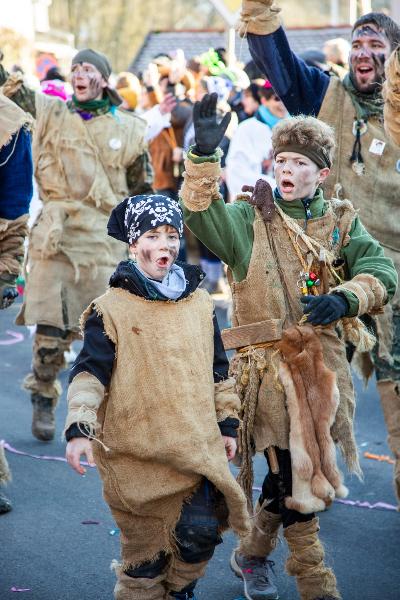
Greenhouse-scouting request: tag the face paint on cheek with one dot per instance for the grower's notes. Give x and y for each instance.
(379, 63)
(94, 85)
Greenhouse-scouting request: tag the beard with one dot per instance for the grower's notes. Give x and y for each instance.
(371, 82)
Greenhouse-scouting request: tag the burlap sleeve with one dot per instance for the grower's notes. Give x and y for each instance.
(85, 394)
(12, 236)
(391, 94)
(258, 16)
(200, 184)
(227, 403)
(370, 292)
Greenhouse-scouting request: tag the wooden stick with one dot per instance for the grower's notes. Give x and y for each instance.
(273, 461)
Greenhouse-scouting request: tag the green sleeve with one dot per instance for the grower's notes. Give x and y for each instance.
(226, 230)
(25, 97)
(364, 254)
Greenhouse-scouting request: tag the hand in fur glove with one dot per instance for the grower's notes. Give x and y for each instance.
(208, 132)
(325, 309)
(8, 291)
(258, 16)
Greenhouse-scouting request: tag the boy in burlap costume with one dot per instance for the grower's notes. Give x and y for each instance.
(294, 381)
(151, 384)
(367, 167)
(88, 155)
(15, 196)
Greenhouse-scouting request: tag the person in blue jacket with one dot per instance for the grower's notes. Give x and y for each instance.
(15, 196)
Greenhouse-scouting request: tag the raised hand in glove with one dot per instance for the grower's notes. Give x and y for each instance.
(208, 133)
(8, 291)
(325, 309)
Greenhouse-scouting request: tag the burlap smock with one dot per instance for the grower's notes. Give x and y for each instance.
(80, 170)
(270, 291)
(375, 194)
(158, 419)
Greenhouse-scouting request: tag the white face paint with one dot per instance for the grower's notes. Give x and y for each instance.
(87, 82)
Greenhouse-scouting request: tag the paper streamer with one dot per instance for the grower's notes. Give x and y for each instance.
(15, 338)
(9, 448)
(357, 503)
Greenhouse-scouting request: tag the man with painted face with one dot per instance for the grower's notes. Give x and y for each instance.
(367, 167)
(87, 155)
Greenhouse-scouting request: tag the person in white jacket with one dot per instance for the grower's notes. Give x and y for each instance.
(250, 152)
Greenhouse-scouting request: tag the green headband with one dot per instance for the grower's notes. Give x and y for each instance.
(317, 154)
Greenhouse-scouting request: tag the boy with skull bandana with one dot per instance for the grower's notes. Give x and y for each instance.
(88, 155)
(279, 246)
(151, 387)
(367, 167)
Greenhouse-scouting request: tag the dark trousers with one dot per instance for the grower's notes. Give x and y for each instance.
(276, 487)
(197, 534)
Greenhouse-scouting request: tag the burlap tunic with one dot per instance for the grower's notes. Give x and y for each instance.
(375, 193)
(159, 419)
(270, 291)
(80, 170)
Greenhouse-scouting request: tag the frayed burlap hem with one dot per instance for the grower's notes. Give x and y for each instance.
(201, 185)
(259, 17)
(12, 236)
(52, 389)
(370, 292)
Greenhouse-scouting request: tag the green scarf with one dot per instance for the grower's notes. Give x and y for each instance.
(94, 107)
(366, 105)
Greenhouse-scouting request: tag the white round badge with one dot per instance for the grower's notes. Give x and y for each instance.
(115, 144)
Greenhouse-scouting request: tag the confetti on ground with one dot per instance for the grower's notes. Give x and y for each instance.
(379, 457)
(17, 589)
(114, 532)
(90, 522)
(360, 504)
(9, 448)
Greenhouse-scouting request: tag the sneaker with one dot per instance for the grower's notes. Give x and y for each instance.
(254, 571)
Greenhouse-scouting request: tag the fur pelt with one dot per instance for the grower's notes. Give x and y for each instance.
(312, 399)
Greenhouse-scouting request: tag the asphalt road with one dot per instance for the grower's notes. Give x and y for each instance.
(46, 548)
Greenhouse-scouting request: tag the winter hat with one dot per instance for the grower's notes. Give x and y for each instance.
(138, 214)
(102, 64)
(305, 135)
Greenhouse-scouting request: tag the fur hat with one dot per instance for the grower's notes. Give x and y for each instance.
(307, 136)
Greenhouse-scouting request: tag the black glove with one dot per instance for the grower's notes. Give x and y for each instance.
(325, 309)
(8, 290)
(208, 133)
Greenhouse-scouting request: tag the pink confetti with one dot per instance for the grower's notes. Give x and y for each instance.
(17, 589)
(16, 337)
(8, 447)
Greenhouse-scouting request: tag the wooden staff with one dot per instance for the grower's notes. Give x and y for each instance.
(323, 272)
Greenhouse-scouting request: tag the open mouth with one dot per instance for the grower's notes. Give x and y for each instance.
(364, 69)
(80, 88)
(162, 262)
(287, 186)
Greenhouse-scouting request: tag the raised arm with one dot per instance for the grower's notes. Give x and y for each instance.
(301, 88)
(224, 229)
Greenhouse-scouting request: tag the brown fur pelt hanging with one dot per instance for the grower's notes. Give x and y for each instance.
(312, 399)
